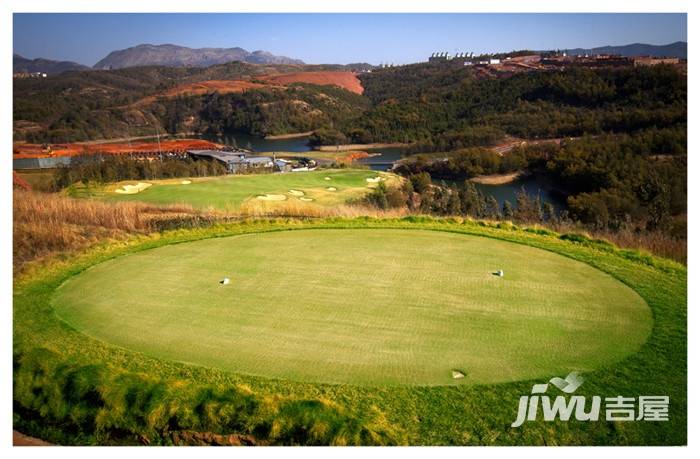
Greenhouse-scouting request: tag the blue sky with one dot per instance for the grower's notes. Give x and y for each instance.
(337, 38)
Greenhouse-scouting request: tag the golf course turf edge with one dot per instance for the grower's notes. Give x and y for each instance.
(71, 389)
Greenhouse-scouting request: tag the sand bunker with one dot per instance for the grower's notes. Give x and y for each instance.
(271, 197)
(331, 188)
(186, 182)
(456, 374)
(132, 189)
(306, 199)
(296, 193)
(375, 179)
(326, 178)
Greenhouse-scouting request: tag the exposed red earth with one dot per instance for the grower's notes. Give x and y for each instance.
(32, 150)
(345, 80)
(220, 86)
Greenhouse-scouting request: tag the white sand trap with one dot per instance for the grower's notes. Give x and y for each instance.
(331, 188)
(271, 197)
(186, 182)
(326, 178)
(296, 193)
(132, 189)
(375, 179)
(456, 374)
(306, 199)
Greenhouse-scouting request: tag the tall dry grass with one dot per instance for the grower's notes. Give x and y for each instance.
(257, 208)
(46, 224)
(656, 242)
(671, 244)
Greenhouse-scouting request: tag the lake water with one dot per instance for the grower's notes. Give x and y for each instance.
(261, 145)
(533, 185)
(384, 161)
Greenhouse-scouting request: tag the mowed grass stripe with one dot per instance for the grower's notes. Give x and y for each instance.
(230, 192)
(371, 307)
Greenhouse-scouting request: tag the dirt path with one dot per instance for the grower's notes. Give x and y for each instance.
(19, 439)
(508, 145)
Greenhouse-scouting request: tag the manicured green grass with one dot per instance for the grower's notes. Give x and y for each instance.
(362, 307)
(74, 389)
(229, 192)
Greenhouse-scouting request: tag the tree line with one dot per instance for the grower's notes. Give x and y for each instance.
(443, 107)
(110, 168)
(421, 195)
(612, 181)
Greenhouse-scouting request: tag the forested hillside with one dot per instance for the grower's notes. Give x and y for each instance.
(298, 108)
(98, 104)
(446, 109)
(438, 107)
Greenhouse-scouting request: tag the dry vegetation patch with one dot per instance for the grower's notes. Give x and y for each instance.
(48, 224)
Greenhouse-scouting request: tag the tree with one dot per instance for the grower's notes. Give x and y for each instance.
(527, 209)
(473, 202)
(378, 198)
(508, 210)
(421, 182)
(493, 210)
(548, 212)
(454, 206)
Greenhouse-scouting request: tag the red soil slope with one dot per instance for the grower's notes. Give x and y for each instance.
(346, 80)
(221, 86)
(32, 150)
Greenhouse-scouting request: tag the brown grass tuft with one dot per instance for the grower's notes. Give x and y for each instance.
(45, 224)
(294, 208)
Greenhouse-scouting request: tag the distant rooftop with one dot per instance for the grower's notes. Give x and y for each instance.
(231, 157)
(224, 156)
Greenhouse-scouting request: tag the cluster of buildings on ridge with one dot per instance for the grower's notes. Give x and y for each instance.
(29, 75)
(461, 58)
(550, 60)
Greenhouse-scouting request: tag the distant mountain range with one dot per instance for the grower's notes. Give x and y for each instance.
(23, 65)
(181, 56)
(677, 49)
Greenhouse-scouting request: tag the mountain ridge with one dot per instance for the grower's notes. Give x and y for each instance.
(676, 49)
(21, 64)
(181, 56)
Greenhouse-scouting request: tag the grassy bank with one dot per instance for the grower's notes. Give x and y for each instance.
(69, 388)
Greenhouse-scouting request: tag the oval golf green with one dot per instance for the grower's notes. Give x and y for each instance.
(364, 306)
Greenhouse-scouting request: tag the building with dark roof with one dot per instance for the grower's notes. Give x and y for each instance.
(235, 161)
